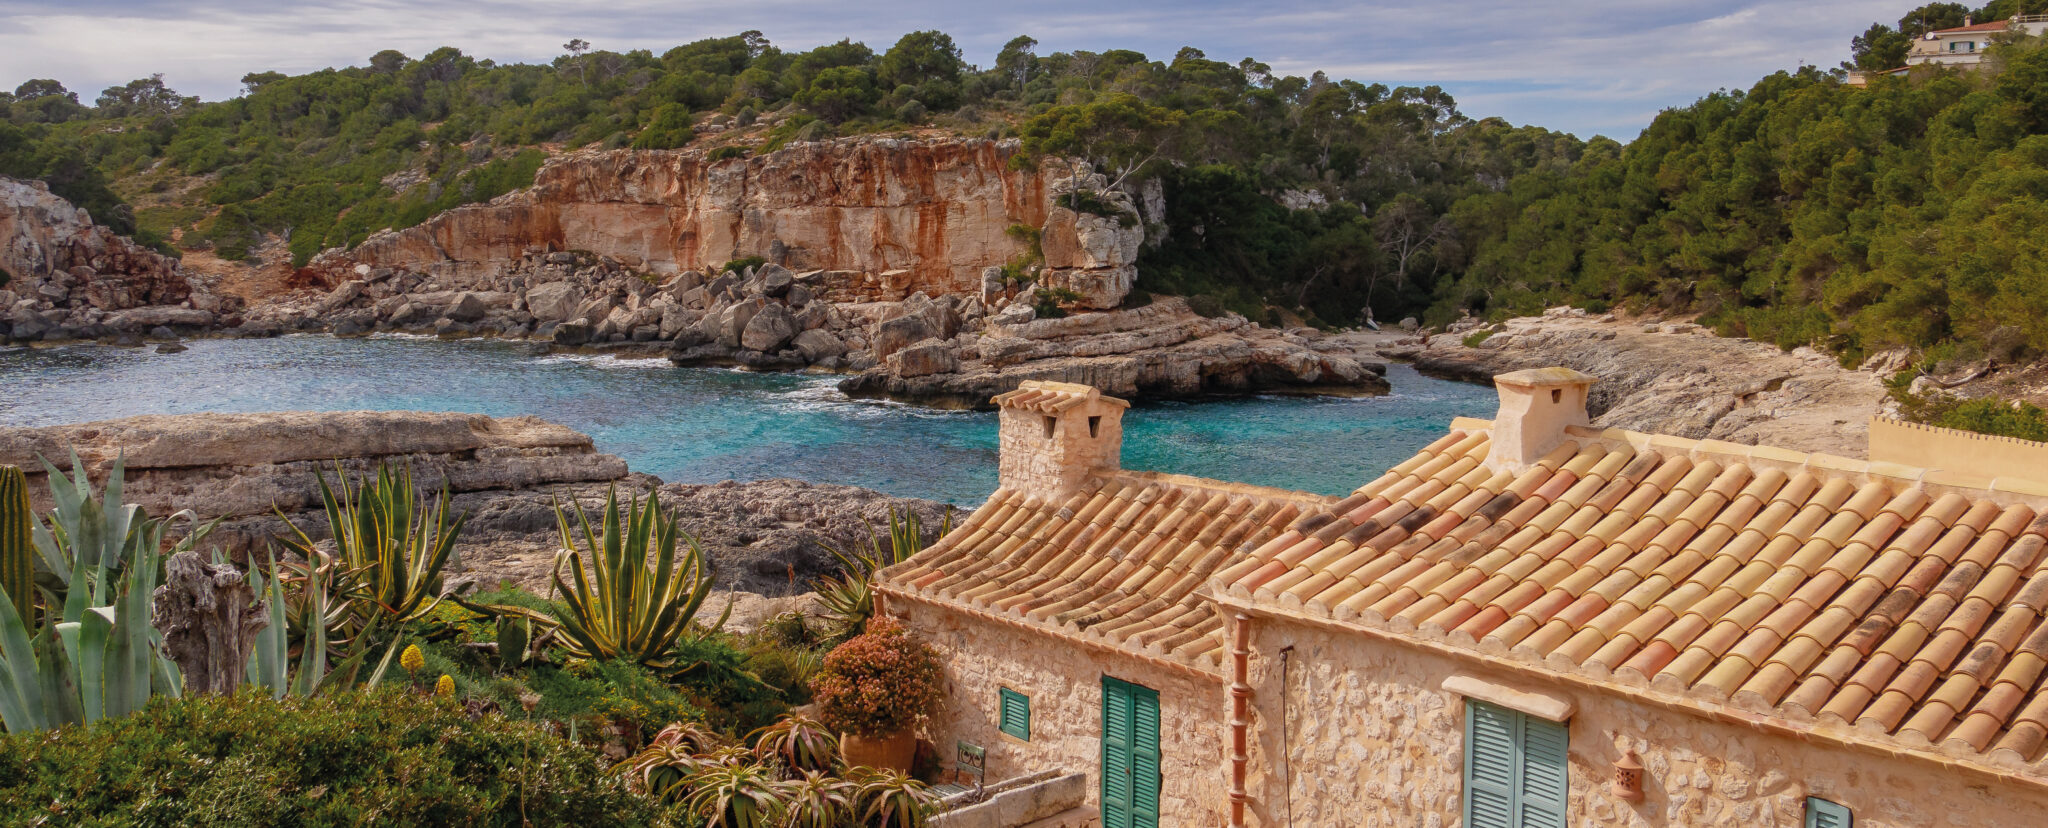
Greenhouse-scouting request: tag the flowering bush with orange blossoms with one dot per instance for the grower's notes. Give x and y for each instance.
(879, 683)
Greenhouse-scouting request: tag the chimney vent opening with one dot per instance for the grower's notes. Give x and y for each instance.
(1050, 422)
(1556, 396)
(1094, 427)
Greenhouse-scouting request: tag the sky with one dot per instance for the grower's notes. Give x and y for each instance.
(1587, 67)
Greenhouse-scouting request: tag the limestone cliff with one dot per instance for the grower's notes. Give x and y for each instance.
(880, 218)
(68, 277)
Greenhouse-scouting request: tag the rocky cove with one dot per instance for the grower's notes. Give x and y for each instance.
(920, 267)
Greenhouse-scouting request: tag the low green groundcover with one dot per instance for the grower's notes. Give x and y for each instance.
(385, 757)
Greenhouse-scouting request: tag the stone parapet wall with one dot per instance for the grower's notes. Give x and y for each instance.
(1366, 735)
(1064, 682)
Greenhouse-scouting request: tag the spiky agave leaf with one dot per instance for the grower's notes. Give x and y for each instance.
(626, 592)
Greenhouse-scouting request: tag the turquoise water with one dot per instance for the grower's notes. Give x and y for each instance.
(706, 424)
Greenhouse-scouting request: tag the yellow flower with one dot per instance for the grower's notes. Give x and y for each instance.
(412, 660)
(445, 688)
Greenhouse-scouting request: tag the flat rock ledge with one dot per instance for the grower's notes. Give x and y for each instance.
(1671, 378)
(1161, 350)
(769, 537)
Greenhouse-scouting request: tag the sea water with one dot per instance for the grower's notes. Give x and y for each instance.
(699, 425)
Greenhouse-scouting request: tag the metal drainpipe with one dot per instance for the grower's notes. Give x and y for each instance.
(1240, 718)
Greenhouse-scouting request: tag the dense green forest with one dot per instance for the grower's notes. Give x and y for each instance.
(1802, 210)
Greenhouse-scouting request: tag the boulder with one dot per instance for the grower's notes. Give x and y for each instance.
(1017, 313)
(468, 307)
(552, 302)
(924, 359)
(573, 333)
(816, 345)
(775, 280)
(770, 329)
(899, 333)
(732, 322)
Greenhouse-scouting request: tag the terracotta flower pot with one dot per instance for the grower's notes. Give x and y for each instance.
(895, 751)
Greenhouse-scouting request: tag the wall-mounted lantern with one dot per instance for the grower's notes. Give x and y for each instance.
(1628, 777)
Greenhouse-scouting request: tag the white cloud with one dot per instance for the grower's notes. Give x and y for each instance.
(1590, 66)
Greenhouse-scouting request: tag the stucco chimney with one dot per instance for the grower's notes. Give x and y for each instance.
(1535, 406)
(1055, 435)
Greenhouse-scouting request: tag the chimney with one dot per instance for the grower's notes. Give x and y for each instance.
(1055, 435)
(1535, 406)
(1967, 21)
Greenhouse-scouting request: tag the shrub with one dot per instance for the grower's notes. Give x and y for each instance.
(351, 758)
(1206, 306)
(1473, 339)
(879, 683)
(740, 264)
(725, 152)
(1093, 203)
(1048, 302)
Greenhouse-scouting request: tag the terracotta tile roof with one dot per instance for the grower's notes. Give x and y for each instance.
(1889, 604)
(1118, 564)
(1993, 26)
(1053, 397)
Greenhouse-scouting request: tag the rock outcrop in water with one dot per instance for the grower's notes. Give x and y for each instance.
(878, 218)
(1161, 350)
(1674, 378)
(505, 472)
(64, 277)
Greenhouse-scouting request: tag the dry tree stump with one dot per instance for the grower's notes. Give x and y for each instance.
(209, 616)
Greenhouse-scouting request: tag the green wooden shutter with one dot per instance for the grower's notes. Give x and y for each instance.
(1516, 769)
(1821, 813)
(1117, 734)
(1016, 713)
(1489, 766)
(1546, 784)
(1145, 776)
(1130, 755)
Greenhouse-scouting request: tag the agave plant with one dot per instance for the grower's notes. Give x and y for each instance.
(799, 744)
(815, 800)
(735, 796)
(847, 600)
(391, 546)
(626, 593)
(891, 799)
(95, 655)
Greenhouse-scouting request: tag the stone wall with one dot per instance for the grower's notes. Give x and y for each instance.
(1064, 681)
(1370, 738)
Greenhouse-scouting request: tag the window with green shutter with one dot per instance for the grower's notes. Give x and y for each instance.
(1516, 771)
(1821, 813)
(1130, 755)
(1016, 713)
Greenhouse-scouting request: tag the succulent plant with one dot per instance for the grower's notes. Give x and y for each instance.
(17, 544)
(412, 660)
(634, 596)
(798, 743)
(444, 687)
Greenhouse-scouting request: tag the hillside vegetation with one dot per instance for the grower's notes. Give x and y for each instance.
(326, 158)
(1800, 211)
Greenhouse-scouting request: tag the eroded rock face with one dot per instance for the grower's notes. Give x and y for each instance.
(241, 466)
(1161, 350)
(506, 473)
(880, 219)
(1675, 378)
(69, 278)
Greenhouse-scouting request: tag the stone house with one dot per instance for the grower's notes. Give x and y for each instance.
(1531, 622)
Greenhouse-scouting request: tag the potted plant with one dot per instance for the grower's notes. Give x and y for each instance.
(875, 689)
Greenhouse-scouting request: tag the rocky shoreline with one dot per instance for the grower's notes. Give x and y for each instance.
(1670, 377)
(256, 472)
(920, 268)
